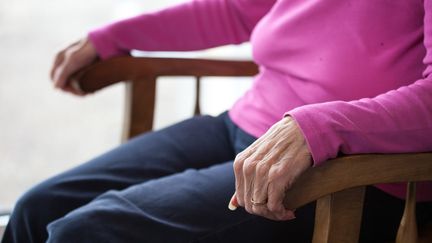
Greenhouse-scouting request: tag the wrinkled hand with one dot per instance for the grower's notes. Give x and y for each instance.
(267, 168)
(68, 61)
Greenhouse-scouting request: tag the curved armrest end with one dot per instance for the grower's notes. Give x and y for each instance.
(358, 170)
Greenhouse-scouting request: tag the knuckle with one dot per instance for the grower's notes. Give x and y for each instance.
(67, 54)
(261, 169)
(72, 55)
(249, 168)
(273, 207)
(263, 151)
(58, 56)
(249, 209)
(248, 161)
(275, 173)
(272, 176)
(280, 146)
(238, 166)
(240, 156)
(257, 211)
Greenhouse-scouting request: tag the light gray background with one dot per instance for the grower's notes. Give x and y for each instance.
(44, 131)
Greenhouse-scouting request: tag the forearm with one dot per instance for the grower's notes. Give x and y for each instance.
(189, 26)
(395, 122)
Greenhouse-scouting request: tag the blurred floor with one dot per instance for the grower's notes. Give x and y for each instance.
(43, 131)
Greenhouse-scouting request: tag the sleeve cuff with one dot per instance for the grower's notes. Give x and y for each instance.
(317, 135)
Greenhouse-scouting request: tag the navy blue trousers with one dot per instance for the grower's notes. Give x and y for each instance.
(172, 185)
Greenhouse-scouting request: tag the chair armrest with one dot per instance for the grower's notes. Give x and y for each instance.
(105, 73)
(358, 170)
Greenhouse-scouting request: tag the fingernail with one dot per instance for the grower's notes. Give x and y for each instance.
(231, 206)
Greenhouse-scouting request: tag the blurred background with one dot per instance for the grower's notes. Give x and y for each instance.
(43, 131)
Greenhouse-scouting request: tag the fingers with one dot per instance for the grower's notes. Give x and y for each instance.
(63, 72)
(75, 85)
(248, 178)
(253, 177)
(239, 176)
(255, 183)
(262, 170)
(238, 173)
(71, 89)
(276, 193)
(59, 59)
(260, 187)
(267, 168)
(69, 61)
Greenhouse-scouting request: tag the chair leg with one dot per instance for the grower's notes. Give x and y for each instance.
(338, 216)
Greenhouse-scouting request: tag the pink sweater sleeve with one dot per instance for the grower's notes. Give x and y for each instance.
(193, 25)
(394, 122)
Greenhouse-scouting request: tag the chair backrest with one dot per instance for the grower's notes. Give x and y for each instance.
(339, 201)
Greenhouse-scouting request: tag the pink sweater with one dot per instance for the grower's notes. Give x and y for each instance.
(355, 75)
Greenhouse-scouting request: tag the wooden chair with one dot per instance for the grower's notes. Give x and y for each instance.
(338, 186)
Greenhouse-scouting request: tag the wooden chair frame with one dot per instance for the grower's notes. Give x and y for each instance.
(338, 186)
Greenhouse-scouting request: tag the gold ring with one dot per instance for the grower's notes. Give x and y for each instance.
(254, 203)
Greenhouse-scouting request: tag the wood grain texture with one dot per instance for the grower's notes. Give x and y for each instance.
(105, 73)
(338, 216)
(139, 107)
(358, 170)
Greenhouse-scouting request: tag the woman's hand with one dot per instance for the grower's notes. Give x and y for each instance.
(68, 61)
(267, 168)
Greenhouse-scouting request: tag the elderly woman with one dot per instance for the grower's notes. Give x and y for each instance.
(335, 77)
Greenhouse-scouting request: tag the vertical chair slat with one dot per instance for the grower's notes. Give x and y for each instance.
(197, 96)
(139, 107)
(407, 232)
(338, 216)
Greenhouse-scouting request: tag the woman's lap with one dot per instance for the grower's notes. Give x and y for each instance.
(195, 143)
(190, 206)
(168, 186)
